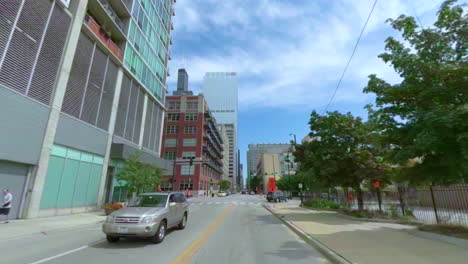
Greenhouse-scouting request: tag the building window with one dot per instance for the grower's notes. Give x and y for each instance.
(170, 155)
(188, 154)
(173, 117)
(170, 142)
(174, 106)
(192, 106)
(190, 142)
(172, 130)
(186, 184)
(191, 117)
(190, 130)
(187, 170)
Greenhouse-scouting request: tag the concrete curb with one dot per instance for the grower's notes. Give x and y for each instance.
(331, 255)
(463, 243)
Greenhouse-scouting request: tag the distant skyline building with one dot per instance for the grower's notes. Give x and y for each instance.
(182, 83)
(255, 152)
(221, 93)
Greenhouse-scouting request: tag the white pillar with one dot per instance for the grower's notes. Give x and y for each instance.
(68, 55)
(113, 117)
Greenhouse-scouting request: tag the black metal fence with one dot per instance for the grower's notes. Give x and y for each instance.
(431, 205)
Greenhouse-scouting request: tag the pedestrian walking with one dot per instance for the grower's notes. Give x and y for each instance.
(7, 200)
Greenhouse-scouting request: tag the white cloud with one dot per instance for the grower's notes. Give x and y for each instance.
(287, 54)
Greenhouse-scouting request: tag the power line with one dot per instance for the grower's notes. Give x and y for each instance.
(352, 55)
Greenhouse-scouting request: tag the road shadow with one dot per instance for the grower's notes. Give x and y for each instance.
(293, 250)
(268, 219)
(128, 242)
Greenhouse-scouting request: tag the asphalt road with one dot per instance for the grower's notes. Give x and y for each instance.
(234, 229)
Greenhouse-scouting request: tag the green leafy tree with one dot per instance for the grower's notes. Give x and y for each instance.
(423, 119)
(343, 153)
(224, 185)
(255, 182)
(140, 176)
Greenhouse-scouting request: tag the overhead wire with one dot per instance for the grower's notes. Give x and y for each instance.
(351, 57)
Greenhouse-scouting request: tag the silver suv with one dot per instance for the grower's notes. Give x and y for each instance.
(149, 215)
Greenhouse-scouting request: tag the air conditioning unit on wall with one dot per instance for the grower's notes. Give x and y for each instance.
(65, 3)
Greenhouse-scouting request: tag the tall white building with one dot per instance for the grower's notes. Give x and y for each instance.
(220, 90)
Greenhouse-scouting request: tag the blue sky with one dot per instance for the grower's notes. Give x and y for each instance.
(289, 55)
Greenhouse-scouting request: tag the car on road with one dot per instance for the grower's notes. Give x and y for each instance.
(277, 196)
(222, 194)
(243, 192)
(252, 193)
(149, 215)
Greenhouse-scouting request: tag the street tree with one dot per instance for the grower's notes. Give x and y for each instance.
(139, 176)
(224, 185)
(423, 119)
(342, 154)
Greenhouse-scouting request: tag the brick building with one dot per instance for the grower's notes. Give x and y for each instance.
(193, 141)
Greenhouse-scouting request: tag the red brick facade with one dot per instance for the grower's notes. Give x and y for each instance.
(180, 126)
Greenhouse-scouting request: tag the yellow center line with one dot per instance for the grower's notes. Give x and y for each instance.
(188, 253)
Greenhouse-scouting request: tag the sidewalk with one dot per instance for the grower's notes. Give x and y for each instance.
(367, 242)
(22, 227)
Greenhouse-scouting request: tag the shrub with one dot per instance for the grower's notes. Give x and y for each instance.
(321, 204)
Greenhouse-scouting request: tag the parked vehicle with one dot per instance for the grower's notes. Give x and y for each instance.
(252, 193)
(222, 194)
(150, 215)
(277, 196)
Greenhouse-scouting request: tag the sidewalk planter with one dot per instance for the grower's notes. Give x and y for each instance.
(111, 207)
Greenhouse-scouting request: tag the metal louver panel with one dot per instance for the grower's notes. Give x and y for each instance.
(8, 13)
(153, 126)
(138, 116)
(20, 56)
(131, 112)
(93, 91)
(46, 69)
(78, 77)
(149, 116)
(157, 133)
(107, 96)
(122, 108)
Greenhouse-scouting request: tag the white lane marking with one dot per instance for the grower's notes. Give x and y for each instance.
(218, 202)
(226, 202)
(60, 255)
(209, 203)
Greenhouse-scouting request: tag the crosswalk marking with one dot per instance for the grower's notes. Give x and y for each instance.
(227, 202)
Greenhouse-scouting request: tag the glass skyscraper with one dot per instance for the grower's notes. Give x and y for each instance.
(147, 49)
(221, 93)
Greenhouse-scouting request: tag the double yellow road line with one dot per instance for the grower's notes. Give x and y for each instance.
(188, 253)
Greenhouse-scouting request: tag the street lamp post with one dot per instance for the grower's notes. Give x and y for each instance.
(292, 134)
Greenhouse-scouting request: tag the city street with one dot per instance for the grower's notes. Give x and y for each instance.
(233, 229)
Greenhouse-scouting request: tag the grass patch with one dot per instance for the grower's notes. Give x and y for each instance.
(377, 215)
(448, 230)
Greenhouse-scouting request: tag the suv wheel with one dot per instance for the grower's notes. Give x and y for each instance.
(160, 234)
(183, 222)
(112, 239)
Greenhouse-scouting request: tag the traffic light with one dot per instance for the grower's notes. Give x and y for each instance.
(191, 161)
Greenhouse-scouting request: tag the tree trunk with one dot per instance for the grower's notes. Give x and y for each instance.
(401, 193)
(359, 198)
(379, 198)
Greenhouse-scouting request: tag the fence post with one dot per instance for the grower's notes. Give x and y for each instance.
(434, 204)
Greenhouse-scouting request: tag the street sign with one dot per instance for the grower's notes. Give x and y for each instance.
(376, 184)
(300, 185)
